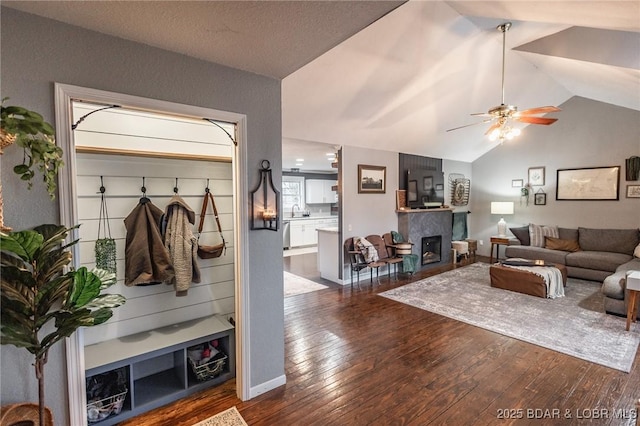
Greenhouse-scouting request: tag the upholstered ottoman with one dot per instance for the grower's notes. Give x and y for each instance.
(522, 281)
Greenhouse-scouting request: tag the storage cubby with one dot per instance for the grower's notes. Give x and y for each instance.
(155, 363)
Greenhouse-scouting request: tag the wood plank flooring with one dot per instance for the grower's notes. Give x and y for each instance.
(355, 358)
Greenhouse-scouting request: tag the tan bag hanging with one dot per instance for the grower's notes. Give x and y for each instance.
(209, 252)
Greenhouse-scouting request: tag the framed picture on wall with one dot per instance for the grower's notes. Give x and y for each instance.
(540, 199)
(372, 179)
(517, 183)
(536, 176)
(593, 183)
(633, 191)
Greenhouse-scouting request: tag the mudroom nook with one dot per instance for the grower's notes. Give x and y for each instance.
(169, 340)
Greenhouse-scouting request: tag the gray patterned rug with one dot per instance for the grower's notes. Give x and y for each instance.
(230, 417)
(575, 325)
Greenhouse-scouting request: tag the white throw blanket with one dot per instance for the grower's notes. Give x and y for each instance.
(552, 278)
(367, 249)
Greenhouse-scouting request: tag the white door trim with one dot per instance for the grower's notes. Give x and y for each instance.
(64, 94)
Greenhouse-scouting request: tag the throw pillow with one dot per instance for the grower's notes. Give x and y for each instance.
(538, 232)
(636, 252)
(560, 244)
(522, 234)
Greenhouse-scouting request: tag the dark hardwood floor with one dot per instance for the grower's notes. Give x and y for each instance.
(354, 358)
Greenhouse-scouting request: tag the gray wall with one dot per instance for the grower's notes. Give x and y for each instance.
(37, 52)
(587, 134)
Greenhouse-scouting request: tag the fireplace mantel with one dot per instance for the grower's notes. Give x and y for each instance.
(417, 223)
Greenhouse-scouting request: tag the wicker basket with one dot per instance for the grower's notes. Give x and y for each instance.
(210, 370)
(103, 408)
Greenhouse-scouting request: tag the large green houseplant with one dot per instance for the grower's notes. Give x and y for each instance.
(43, 300)
(37, 139)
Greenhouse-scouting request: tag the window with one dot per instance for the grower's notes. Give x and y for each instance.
(292, 192)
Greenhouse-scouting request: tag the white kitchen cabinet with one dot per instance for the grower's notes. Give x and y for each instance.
(319, 191)
(303, 232)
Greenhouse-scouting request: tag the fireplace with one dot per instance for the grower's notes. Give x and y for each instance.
(431, 248)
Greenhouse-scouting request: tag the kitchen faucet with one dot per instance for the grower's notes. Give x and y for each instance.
(293, 214)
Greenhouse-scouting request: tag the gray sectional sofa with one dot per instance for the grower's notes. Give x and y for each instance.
(603, 255)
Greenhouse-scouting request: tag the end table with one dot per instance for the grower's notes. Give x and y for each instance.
(633, 286)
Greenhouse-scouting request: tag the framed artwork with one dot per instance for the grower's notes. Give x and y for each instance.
(536, 176)
(517, 183)
(372, 179)
(427, 183)
(412, 191)
(540, 199)
(439, 187)
(633, 191)
(594, 183)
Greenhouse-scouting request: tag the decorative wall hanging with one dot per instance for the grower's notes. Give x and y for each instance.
(372, 179)
(594, 183)
(105, 248)
(540, 198)
(525, 194)
(460, 188)
(536, 176)
(517, 183)
(265, 201)
(633, 168)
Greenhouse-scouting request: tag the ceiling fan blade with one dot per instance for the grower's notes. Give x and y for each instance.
(539, 110)
(536, 120)
(481, 114)
(472, 124)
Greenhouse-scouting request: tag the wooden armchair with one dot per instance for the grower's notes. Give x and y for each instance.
(357, 262)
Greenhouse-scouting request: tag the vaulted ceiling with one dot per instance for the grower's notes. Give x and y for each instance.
(392, 75)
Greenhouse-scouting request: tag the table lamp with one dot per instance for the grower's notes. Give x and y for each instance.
(502, 208)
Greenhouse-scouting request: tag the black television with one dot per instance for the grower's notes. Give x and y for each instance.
(425, 189)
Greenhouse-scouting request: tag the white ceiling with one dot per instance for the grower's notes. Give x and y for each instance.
(396, 83)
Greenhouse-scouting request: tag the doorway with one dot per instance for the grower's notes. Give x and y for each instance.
(65, 96)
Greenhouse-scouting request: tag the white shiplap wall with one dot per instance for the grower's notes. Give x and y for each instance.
(151, 307)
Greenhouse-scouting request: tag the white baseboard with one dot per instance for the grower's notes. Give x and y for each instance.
(267, 386)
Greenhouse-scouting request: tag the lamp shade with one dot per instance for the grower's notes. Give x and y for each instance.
(502, 207)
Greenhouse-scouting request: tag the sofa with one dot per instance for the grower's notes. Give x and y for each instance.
(604, 255)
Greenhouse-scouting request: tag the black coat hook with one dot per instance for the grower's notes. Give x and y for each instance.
(206, 190)
(175, 188)
(102, 188)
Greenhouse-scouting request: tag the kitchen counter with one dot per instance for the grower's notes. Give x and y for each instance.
(328, 256)
(289, 219)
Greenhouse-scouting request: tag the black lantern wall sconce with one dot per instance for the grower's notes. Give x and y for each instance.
(265, 201)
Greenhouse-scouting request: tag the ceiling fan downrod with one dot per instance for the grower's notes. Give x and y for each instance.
(503, 28)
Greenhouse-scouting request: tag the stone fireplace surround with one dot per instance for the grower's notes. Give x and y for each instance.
(419, 223)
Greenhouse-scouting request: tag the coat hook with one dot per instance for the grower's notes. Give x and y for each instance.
(102, 188)
(175, 188)
(207, 188)
(143, 189)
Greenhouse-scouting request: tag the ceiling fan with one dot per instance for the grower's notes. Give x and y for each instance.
(501, 114)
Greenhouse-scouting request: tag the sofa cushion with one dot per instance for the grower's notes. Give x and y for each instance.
(536, 253)
(636, 251)
(608, 240)
(598, 260)
(568, 233)
(522, 234)
(538, 232)
(560, 244)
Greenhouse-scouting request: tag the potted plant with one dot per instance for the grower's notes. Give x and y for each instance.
(36, 137)
(42, 300)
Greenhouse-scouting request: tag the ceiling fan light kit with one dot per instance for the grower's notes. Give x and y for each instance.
(502, 114)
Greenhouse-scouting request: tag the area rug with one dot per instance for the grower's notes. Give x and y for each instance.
(230, 417)
(575, 325)
(294, 284)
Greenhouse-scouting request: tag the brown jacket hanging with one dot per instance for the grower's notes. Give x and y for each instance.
(147, 261)
(182, 244)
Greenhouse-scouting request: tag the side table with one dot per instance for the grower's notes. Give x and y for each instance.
(633, 286)
(497, 241)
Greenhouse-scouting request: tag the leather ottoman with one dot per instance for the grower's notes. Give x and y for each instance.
(522, 281)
